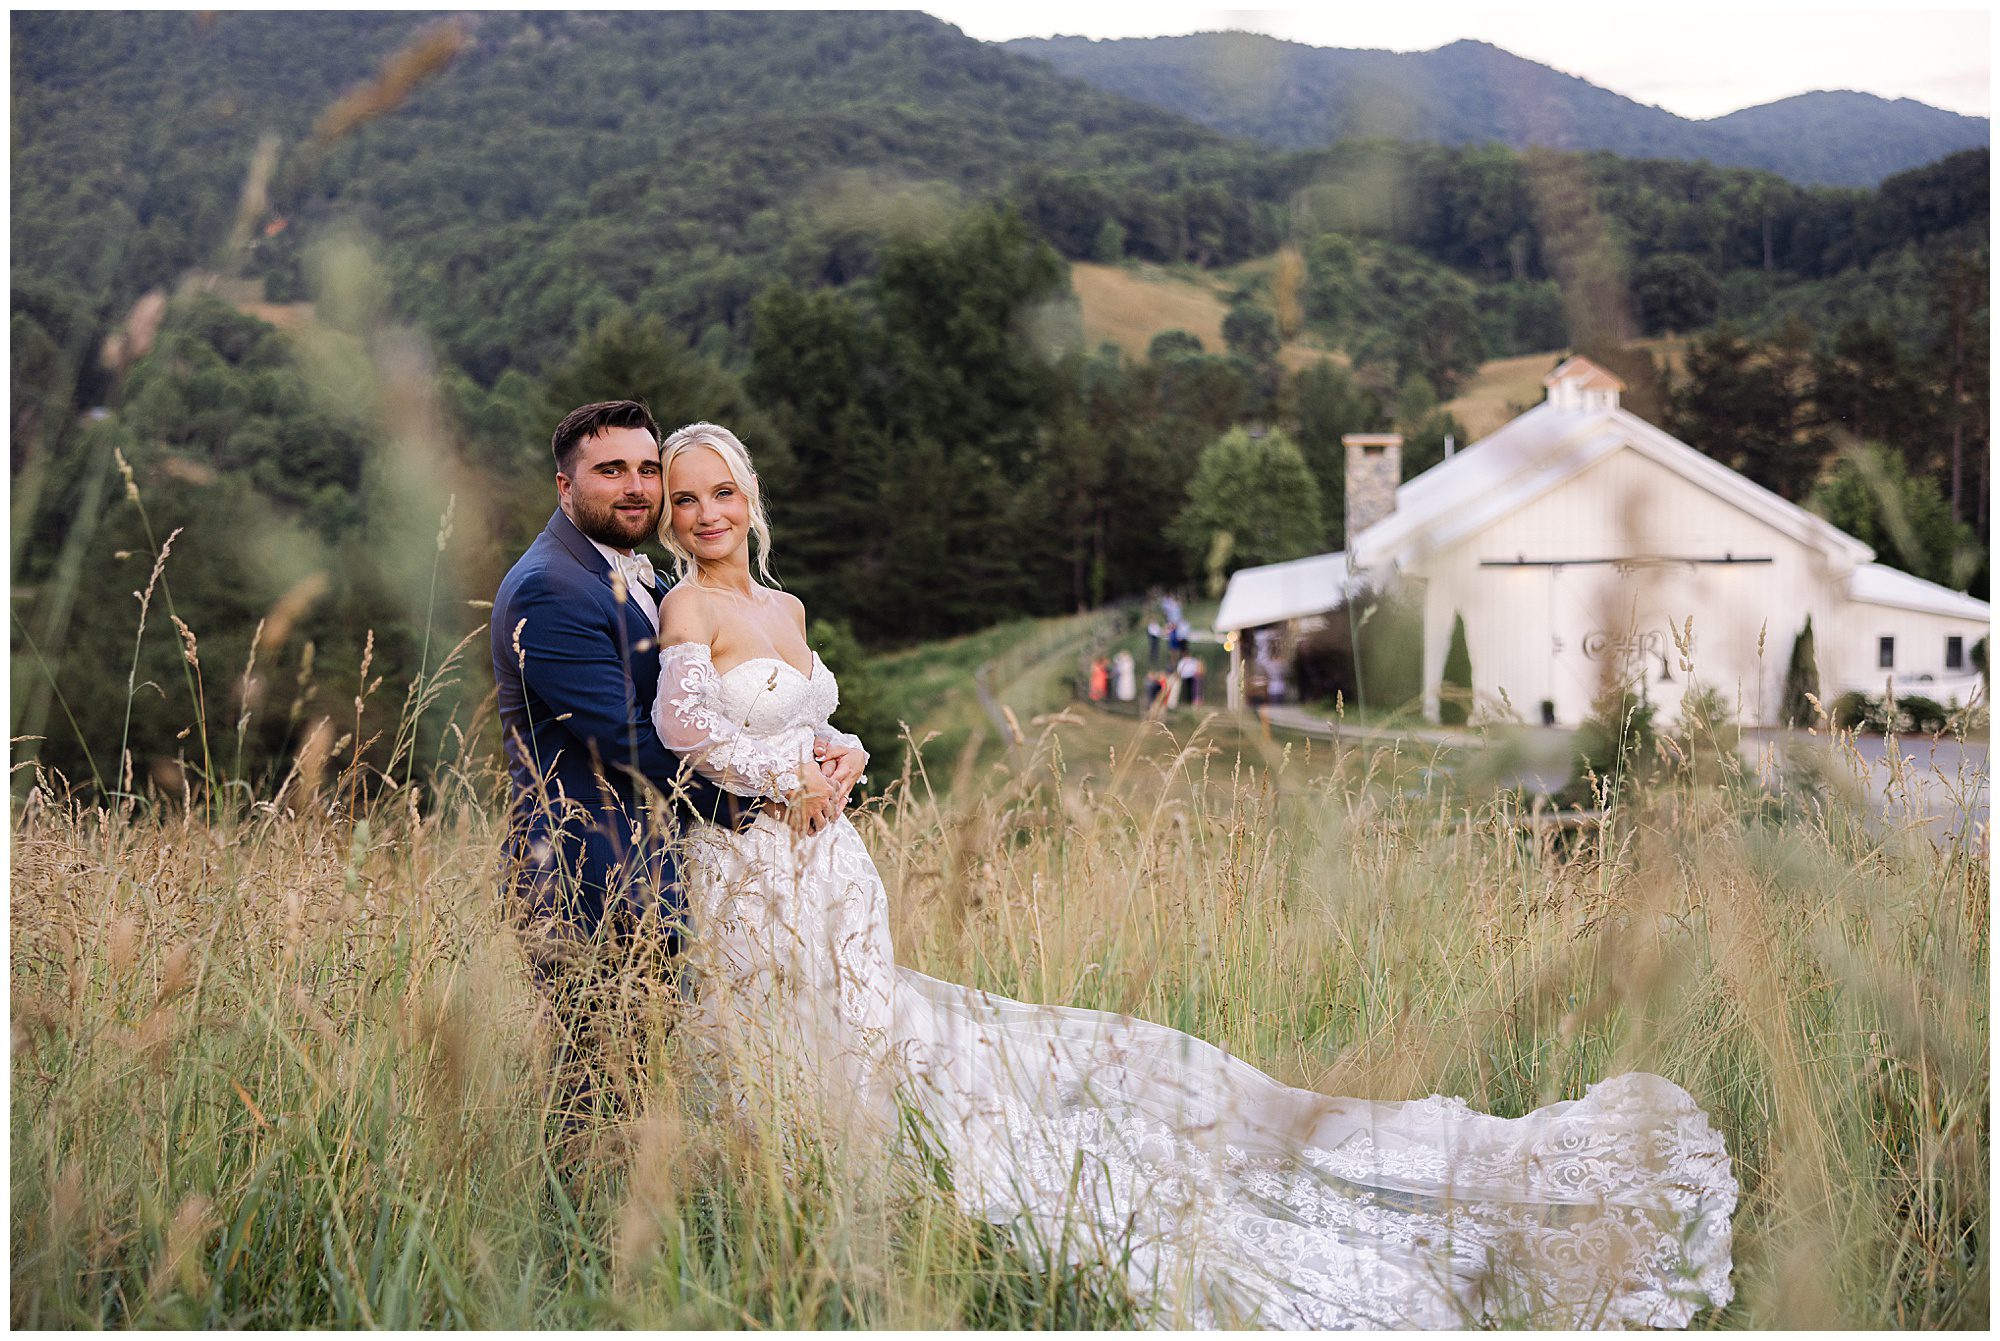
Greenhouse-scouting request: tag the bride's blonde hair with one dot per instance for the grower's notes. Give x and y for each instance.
(734, 455)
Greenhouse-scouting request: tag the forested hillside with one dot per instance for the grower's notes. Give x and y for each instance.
(1841, 137)
(563, 165)
(292, 283)
(1292, 96)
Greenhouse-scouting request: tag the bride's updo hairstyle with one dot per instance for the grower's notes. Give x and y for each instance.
(724, 444)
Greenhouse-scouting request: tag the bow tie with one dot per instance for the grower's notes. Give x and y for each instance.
(638, 570)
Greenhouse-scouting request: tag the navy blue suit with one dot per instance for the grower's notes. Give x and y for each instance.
(576, 672)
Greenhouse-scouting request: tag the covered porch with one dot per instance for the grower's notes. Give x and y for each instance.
(1268, 611)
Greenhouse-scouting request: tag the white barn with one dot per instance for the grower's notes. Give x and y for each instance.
(1578, 540)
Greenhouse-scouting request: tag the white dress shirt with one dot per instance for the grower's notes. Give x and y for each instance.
(635, 593)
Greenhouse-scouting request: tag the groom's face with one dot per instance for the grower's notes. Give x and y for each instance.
(612, 488)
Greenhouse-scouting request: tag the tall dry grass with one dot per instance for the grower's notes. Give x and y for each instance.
(282, 1066)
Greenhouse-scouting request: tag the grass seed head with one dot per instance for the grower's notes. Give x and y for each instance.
(180, 1260)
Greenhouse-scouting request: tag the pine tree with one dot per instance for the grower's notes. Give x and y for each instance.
(1802, 678)
(1455, 692)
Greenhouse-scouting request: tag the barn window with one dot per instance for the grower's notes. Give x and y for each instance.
(1954, 652)
(1885, 657)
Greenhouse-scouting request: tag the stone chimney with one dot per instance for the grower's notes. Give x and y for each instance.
(1374, 469)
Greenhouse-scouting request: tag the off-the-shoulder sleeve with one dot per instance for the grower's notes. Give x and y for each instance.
(824, 732)
(688, 715)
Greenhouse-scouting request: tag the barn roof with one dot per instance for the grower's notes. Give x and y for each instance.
(1879, 584)
(1523, 460)
(1275, 592)
(1534, 453)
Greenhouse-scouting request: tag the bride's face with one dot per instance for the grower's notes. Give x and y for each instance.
(706, 508)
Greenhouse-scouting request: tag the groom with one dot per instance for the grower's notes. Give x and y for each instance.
(575, 665)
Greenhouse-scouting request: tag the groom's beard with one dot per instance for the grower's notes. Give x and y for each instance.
(607, 526)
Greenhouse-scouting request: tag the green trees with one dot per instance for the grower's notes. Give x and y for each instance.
(1871, 495)
(1858, 426)
(1674, 292)
(1251, 333)
(1426, 426)
(1109, 249)
(1252, 501)
(1326, 403)
(917, 424)
(1394, 308)
(627, 357)
(1741, 405)
(267, 480)
(1171, 344)
(843, 236)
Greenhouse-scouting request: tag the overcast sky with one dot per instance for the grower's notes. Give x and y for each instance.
(1695, 60)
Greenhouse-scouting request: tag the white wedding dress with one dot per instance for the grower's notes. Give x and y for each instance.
(1227, 1198)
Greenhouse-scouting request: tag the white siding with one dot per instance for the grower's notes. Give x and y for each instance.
(1540, 631)
(1920, 652)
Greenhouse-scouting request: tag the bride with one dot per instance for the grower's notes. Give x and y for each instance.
(1228, 1198)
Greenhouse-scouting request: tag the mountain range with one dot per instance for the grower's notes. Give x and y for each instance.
(527, 175)
(1292, 96)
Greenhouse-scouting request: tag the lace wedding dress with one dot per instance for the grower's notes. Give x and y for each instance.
(1227, 1198)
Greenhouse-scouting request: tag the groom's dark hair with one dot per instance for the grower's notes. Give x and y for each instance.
(587, 421)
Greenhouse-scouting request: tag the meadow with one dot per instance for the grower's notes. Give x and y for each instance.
(276, 1058)
(277, 1063)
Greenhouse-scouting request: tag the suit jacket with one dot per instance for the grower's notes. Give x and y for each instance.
(576, 671)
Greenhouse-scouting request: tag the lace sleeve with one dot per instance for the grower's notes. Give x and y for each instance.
(688, 715)
(825, 733)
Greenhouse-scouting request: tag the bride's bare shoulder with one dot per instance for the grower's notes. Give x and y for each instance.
(687, 615)
(791, 605)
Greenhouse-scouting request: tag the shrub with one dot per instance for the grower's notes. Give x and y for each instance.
(1915, 712)
(1801, 679)
(1706, 738)
(1389, 638)
(1616, 744)
(1856, 711)
(1455, 691)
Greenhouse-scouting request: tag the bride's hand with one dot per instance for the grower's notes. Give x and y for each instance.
(842, 766)
(810, 807)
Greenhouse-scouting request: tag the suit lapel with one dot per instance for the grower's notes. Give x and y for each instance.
(579, 547)
(638, 629)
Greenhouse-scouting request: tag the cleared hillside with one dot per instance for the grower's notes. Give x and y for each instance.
(1129, 305)
(1503, 388)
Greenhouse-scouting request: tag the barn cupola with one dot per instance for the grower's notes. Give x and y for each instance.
(1579, 384)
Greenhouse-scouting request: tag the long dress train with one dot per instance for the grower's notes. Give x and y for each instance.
(1228, 1198)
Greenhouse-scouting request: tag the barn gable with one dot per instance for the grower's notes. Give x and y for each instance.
(1623, 503)
(1546, 448)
